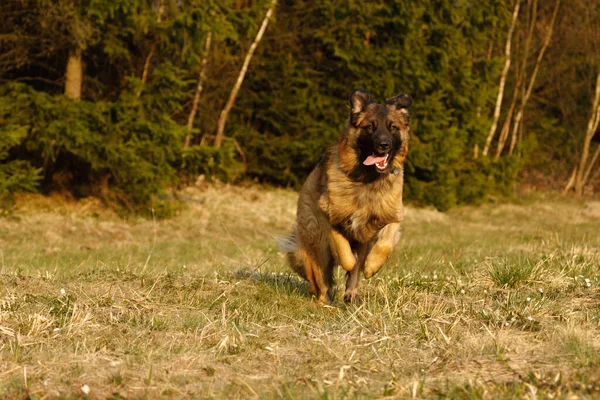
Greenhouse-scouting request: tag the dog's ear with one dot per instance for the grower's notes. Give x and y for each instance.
(401, 101)
(359, 99)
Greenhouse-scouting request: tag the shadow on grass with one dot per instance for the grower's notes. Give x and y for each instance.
(286, 282)
(291, 285)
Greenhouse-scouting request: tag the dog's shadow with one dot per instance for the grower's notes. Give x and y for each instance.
(284, 282)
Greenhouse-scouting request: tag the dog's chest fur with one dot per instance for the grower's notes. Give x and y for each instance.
(360, 210)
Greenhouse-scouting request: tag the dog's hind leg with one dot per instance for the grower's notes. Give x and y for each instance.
(317, 276)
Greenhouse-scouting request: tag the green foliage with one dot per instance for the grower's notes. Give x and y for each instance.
(15, 174)
(124, 143)
(223, 163)
(101, 148)
(118, 150)
(124, 140)
(437, 54)
(18, 175)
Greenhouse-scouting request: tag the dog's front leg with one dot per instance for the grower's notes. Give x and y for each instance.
(353, 277)
(342, 252)
(384, 243)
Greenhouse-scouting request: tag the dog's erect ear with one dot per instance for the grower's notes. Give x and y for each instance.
(358, 103)
(401, 101)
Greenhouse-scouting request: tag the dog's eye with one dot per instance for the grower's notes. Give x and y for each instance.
(371, 128)
(394, 128)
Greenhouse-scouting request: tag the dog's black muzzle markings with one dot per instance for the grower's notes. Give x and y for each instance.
(382, 143)
(382, 149)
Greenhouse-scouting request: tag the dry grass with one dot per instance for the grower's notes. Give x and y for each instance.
(501, 301)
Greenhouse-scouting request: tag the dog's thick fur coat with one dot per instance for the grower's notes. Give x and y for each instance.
(350, 207)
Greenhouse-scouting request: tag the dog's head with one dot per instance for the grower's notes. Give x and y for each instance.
(375, 141)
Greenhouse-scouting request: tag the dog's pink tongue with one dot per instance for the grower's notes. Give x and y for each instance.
(373, 160)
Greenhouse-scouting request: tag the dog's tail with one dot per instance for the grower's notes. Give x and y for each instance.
(289, 245)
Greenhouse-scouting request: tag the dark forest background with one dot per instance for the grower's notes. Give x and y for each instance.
(124, 99)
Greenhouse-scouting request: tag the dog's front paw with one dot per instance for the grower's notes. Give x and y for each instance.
(371, 267)
(348, 261)
(376, 259)
(369, 272)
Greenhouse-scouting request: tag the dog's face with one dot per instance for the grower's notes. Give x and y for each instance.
(376, 140)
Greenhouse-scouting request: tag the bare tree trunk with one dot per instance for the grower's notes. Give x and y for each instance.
(596, 174)
(160, 12)
(592, 126)
(199, 88)
(532, 80)
(145, 72)
(531, 17)
(238, 83)
(506, 126)
(74, 75)
(488, 141)
(571, 181)
(592, 162)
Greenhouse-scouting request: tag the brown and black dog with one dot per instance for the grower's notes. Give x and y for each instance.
(350, 207)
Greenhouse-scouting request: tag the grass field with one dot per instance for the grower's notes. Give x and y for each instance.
(499, 301)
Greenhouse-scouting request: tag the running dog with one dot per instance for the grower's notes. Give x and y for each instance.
(350, 207)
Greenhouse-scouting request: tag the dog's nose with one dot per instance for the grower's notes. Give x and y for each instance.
(383, 145)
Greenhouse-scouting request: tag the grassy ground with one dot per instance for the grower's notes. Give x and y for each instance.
(499, 301)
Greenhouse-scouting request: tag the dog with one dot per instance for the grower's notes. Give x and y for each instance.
(350, 207)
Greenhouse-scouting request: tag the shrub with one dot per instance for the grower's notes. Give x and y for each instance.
(118, 151)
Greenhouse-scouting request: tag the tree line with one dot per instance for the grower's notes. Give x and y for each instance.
(126, 99)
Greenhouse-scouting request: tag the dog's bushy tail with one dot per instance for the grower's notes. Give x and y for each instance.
(289, 245)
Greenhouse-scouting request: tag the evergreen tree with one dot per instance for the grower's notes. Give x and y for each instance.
(96, 95)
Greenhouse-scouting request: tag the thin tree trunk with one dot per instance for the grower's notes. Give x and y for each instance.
(145, 72)
(160, 11)
(506, 126)
(238, 83)
(571, 181)
(532, 80)
(589, 134)
(595, 175)
(532, 17)
(199, 88)
(74, 75)
(591, 164)
(521, 77)
(488, 141)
